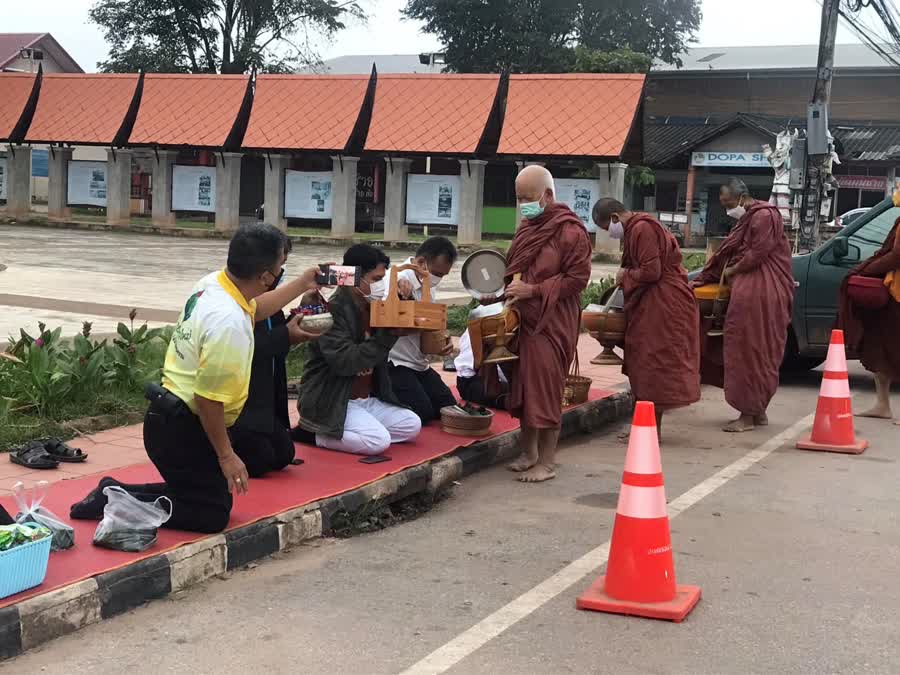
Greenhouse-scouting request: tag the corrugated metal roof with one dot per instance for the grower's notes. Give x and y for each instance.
(575, 115)
(82, 108)
(16, 88)
(361, 64)
(305, 112)
(198, 110)
(667, 142)
(439, 114)
(787, 57)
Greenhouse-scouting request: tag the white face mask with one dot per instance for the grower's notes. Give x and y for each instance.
(434, 281)
(616, 229)
(737, 212)
(376, 291)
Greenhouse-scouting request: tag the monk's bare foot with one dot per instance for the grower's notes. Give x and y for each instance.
(897, 423)
(740, 425)
(880, 412)
(524, 463)
(761, 420)
(537, 474)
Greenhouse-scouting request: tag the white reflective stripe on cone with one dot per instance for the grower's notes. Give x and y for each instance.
(835, 388)
(836, 362)
(643, 451)
(642, 502)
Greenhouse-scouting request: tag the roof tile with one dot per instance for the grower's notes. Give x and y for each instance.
(198, 110)
(15, 88)
(305, 112)
(439, 114)
(579, 115)
(80, 108)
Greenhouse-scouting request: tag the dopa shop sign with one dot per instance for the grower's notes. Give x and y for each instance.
(729, 158)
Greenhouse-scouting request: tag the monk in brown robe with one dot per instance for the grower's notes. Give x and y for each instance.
(875, 334)
(552, 252)
(756, 258)
(662, 330)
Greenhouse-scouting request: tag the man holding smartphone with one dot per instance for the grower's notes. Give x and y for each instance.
(205, 385)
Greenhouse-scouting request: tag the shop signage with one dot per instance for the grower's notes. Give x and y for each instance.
(730, 158)
(873, 183)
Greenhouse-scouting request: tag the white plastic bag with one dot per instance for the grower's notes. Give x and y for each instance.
(129, 524)
(31, 511)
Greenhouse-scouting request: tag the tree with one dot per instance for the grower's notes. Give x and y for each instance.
(210, 36)
(558, 35)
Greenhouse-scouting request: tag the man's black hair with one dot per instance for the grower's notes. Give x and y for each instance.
(605, 208)
(288, 244)
(254, 249)
(435, 247)
(366, 257)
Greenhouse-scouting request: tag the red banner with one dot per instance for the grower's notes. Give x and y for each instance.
(873, 183)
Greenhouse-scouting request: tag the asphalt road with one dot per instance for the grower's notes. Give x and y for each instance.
(796, 554)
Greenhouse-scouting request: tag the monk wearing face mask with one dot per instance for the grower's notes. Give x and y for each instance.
(662, 341)
(552, 252)
(756, 260)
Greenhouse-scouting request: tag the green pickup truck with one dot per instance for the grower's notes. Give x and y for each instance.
(819, 275)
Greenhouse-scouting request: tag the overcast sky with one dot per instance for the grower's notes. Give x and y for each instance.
(725, 23)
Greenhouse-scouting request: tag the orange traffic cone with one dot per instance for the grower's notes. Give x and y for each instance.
(833, 428)
(640, 575)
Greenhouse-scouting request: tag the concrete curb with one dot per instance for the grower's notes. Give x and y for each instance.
(202, 233)
(43, 618)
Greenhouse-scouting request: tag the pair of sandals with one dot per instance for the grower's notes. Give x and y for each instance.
(46, 454)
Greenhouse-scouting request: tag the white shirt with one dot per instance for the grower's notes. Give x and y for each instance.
(407, 350)
(465, 362)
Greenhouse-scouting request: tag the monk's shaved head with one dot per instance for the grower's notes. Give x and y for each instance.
(534, 183)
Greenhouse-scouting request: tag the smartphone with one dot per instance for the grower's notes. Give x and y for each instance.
(338, 275)
(375, 459)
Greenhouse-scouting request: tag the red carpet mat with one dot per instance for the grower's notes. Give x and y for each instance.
(324, 474)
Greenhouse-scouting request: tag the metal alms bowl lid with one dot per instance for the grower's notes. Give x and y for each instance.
(483, 272)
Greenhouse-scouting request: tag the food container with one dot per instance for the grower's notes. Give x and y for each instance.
(406, 314)
(707, 296)
(24, 566)
(434, 342)
(458, 423)
(317, 323)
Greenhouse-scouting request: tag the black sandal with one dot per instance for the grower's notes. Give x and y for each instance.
(63, 452)
(33, 456)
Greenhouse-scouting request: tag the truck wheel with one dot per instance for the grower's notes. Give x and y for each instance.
(793, 363)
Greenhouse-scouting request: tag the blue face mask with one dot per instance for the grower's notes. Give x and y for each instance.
(531, 210)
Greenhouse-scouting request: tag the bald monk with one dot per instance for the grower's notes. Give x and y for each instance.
(662, 333)
(552, 252)
(875, 334)
(756, 258)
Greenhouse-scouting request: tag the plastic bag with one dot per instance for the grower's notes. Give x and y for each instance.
(129, 524)
(31, 512)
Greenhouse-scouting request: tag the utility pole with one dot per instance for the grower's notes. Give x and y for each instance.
(819, 194)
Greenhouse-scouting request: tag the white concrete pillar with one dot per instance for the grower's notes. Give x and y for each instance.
(343, 197)
(892, 182)
(118, 187)
(18, 181)
(58, 183)
(612, 184)
(273, 199)
(396, 176)
(161, 206)
(471, 207)
(228, 191)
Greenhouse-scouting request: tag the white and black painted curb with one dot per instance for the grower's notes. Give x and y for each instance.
(37, 620)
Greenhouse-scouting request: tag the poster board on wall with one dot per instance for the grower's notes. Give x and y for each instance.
(433, 200)
(87, 183)
(3, 177)
(580, 195)
(307, 194)
(194, 188)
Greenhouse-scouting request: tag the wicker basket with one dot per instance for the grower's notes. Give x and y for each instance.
(577, 386)
(459, 424)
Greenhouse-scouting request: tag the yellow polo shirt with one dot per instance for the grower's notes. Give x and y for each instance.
(212, 347)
